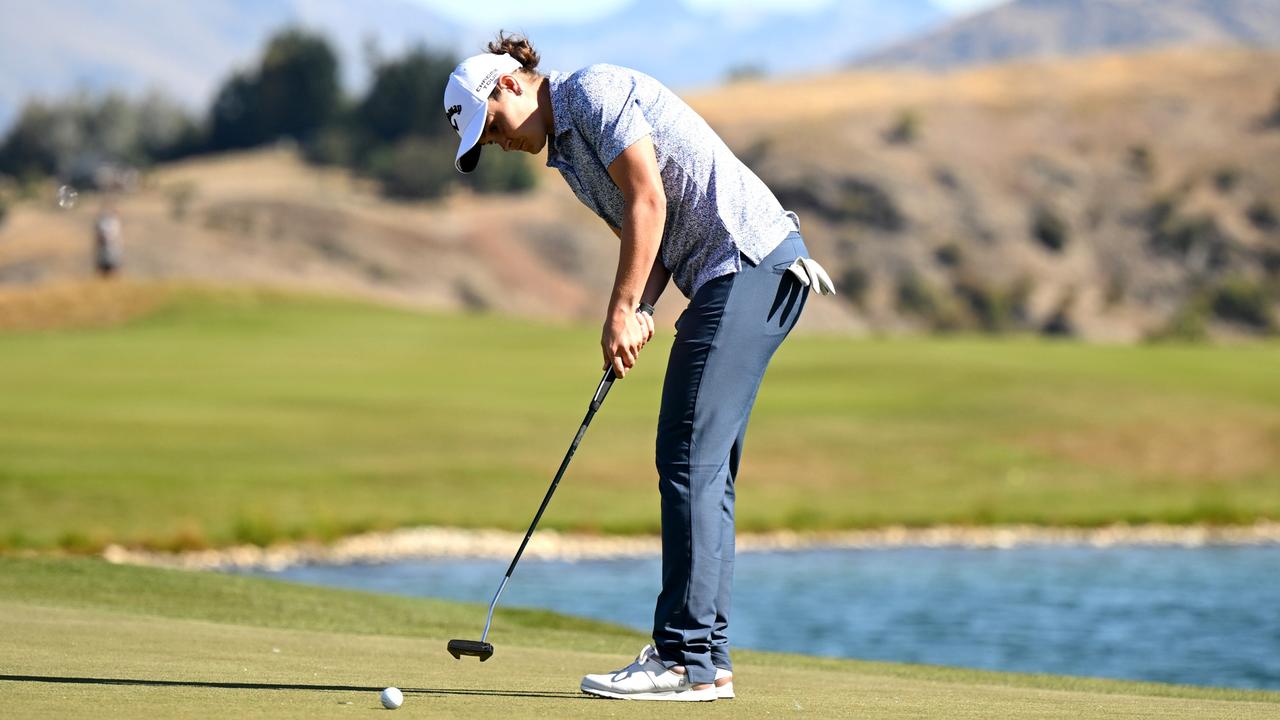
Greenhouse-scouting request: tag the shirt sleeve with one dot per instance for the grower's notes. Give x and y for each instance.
(609, 118)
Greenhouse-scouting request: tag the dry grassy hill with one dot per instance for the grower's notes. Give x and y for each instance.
(267, 218)
(1059, 28)
(1107, 198)
(1104, 197)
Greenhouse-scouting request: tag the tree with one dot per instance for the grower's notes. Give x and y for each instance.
(235, 118)
(76, 137)
(404, 97)
(293, 93)
(28, 149)
(165, 130)
(298, 85)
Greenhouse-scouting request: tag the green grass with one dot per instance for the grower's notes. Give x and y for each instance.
(82, 638)
(233, 416)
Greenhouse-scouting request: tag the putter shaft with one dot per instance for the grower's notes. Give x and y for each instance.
(483, 649)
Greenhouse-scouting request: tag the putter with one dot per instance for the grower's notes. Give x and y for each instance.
(480, 648)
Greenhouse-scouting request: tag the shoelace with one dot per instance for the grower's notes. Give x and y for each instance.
(647, 654)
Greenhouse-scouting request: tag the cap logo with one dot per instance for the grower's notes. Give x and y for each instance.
(455, 110)
(488, 79)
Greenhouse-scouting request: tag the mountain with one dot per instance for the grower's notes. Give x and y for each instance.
(687, 47)
(1064, 28)
(53, 47)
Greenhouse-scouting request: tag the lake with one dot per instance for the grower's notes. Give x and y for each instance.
(1201, 616)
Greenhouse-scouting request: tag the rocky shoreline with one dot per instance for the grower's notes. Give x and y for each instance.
(440, 542)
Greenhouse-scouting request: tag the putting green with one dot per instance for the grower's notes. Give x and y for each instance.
(80, 638)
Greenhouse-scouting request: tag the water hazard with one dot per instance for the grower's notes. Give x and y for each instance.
(1203, 616)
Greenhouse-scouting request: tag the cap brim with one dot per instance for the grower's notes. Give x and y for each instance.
(469, 148)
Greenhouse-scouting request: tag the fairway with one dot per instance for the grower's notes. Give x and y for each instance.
(225, 416)
(81, 638)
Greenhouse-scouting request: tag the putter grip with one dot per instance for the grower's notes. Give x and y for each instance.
(609, 376)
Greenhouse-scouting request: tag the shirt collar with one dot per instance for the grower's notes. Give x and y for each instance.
(560, 113)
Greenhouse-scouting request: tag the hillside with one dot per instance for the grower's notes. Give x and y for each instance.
(1110, 198)
(1105, 197)
(1058, 28)
(265, 218)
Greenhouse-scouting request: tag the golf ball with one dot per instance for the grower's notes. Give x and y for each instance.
(392, 698)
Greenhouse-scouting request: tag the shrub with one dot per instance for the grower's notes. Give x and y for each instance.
(1161, 211)
(260, 529)
(1175, 235)
(1049, 229)
(180, 196)
(949, 255)
(502, 172)
(847, 199)
(1189, 324)
(81, 543)
(414, 169)
(1226, 179)
(1262, 216)
(905, 129)
(853, 283)
(1059, 324)
(994, 309)
(1271, 261)
(753, 155)
(1142, 161)
(866, 203)
(915, 297)
(1243, 302)
(330, 146)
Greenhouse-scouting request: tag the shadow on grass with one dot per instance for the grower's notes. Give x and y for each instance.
(282, 686)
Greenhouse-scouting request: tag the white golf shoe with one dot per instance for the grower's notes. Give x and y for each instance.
(646, 679)
(724, 684)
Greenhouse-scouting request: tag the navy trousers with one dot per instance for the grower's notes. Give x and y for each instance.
(724, 341)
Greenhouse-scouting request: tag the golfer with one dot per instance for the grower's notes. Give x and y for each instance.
(685, 209)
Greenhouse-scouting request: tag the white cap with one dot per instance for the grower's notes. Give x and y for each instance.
(466, 101)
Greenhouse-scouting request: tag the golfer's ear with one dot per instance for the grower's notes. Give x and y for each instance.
(635, 172)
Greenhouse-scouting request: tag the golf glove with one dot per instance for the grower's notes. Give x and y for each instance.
(811, 275)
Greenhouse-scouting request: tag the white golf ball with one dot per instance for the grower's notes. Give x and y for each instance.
(392, 698)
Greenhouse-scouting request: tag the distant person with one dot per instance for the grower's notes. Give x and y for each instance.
(684, 208)
(107, 242)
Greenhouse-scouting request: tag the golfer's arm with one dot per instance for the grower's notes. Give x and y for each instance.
(635, 172)
(659, 275)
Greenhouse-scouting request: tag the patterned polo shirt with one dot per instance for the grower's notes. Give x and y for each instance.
(716, 207)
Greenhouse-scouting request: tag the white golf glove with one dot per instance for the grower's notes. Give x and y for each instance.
(811, 275)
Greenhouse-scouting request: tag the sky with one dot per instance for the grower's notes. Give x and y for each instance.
(492, 11)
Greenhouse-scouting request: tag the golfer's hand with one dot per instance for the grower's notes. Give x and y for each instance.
(625, 334)
(646, 322)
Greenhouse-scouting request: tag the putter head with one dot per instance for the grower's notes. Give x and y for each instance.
(482, 650)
